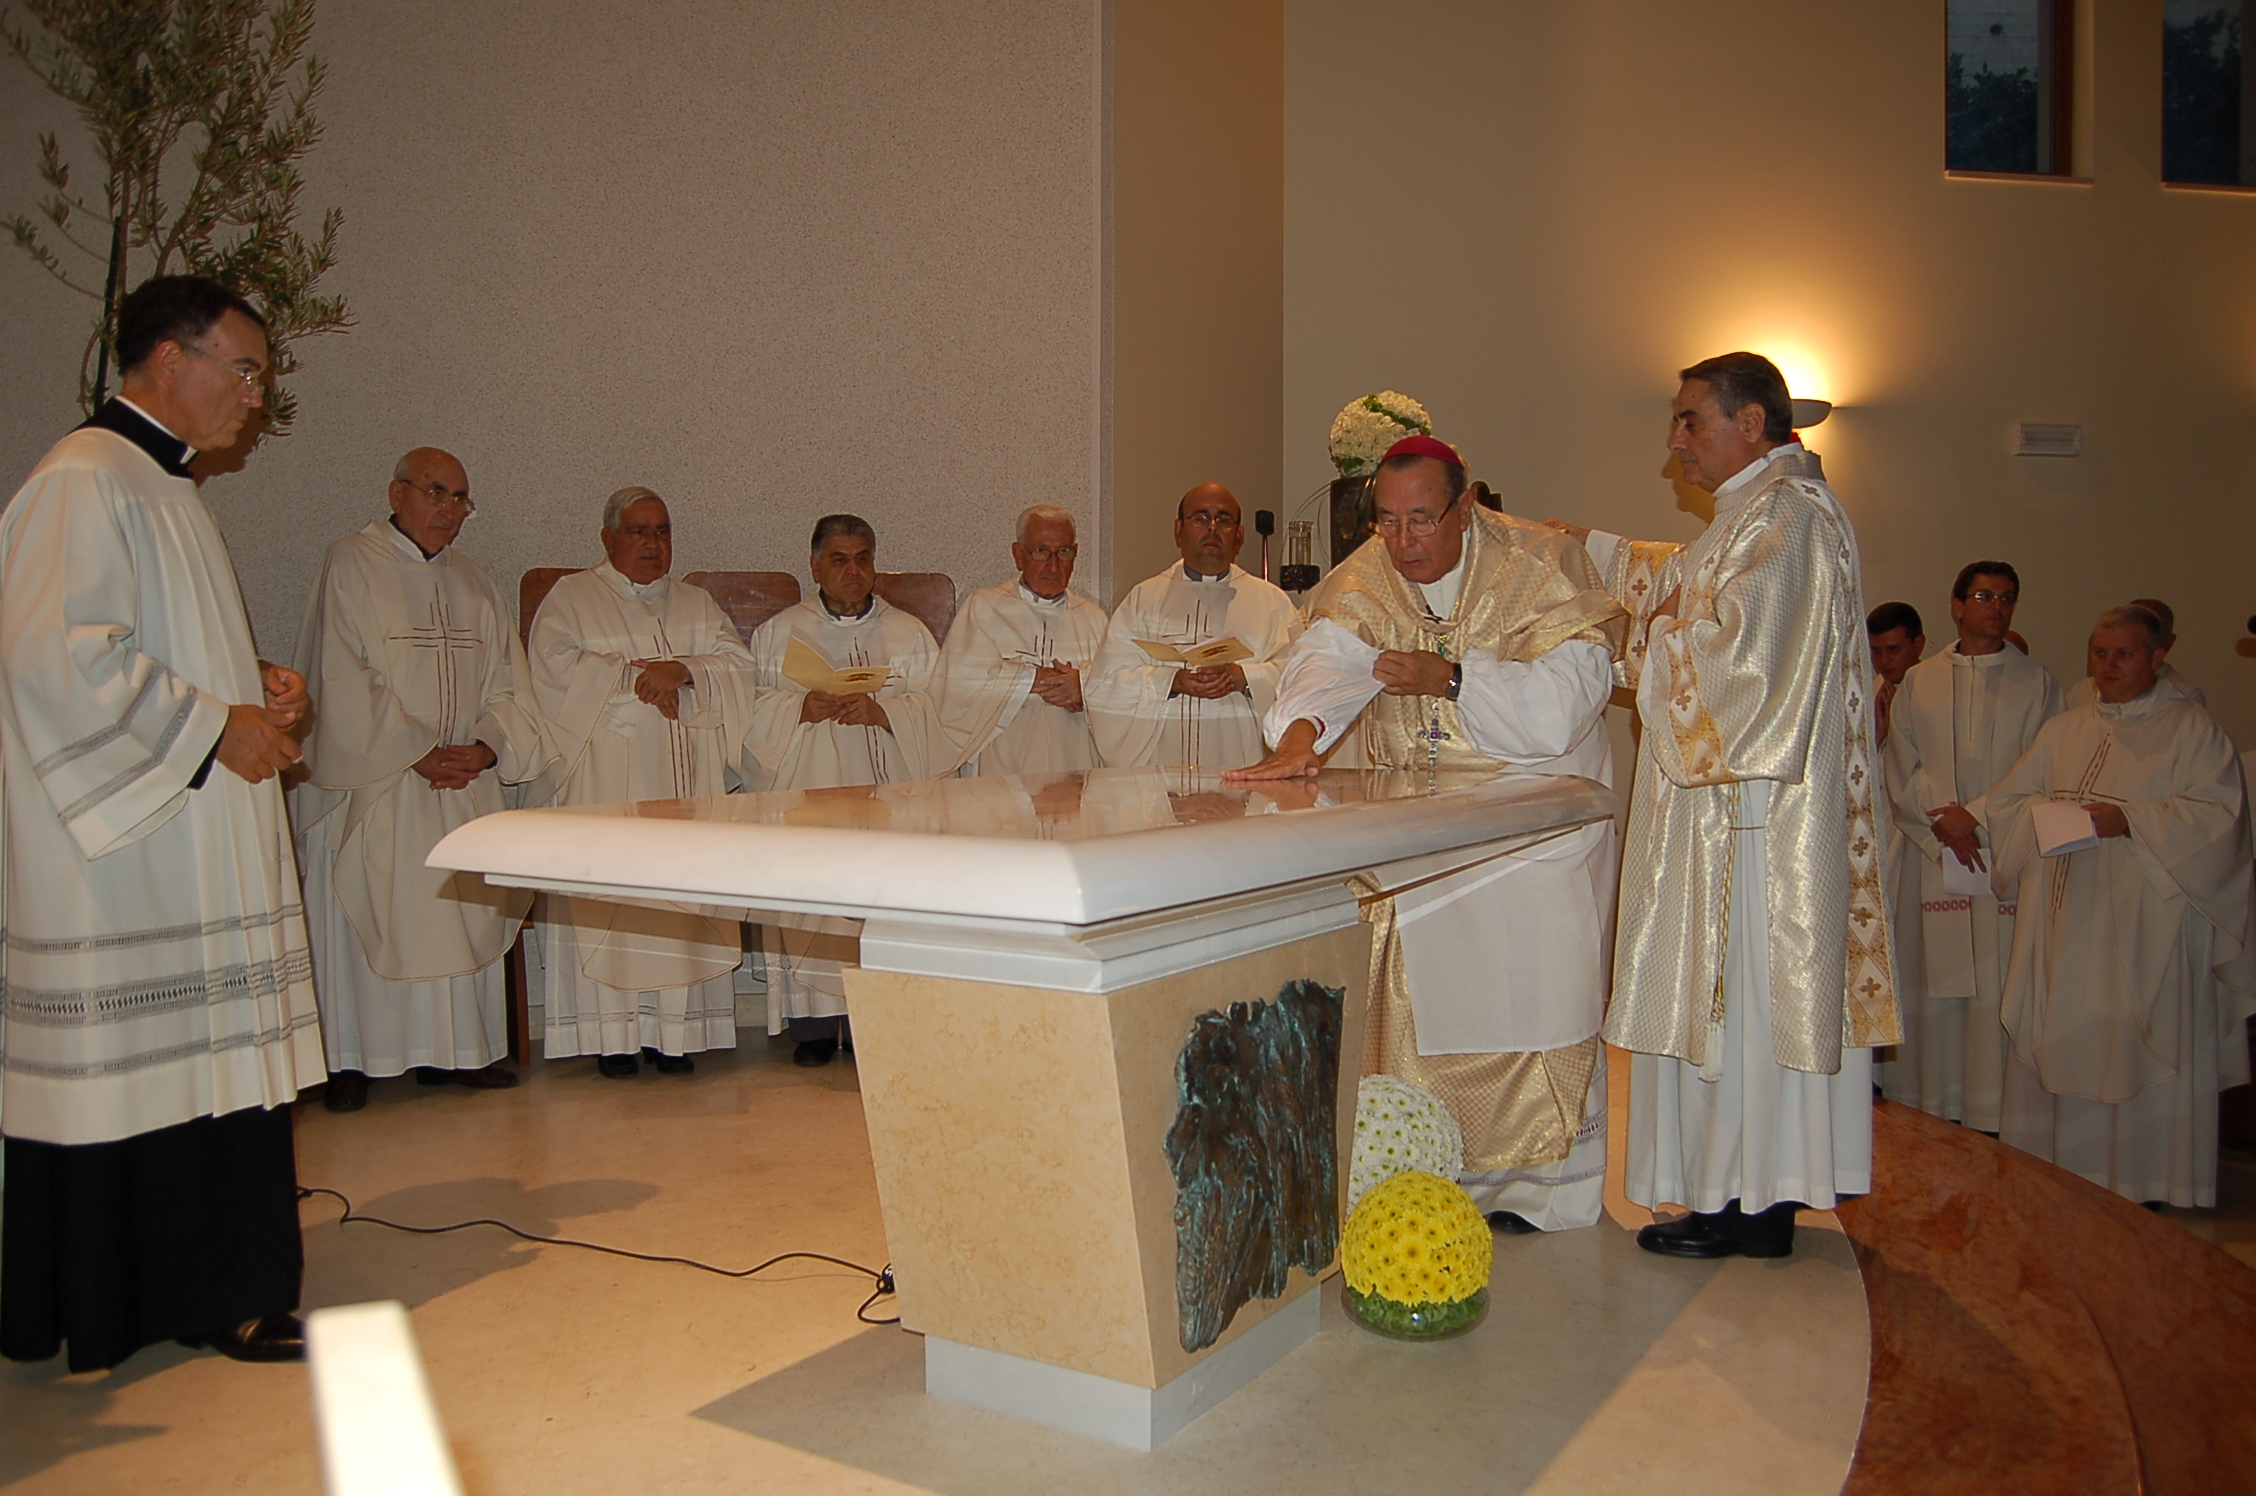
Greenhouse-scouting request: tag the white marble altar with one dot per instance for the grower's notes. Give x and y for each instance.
(1034, 955)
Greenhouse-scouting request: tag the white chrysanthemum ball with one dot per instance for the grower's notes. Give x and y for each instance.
(1362, 432)
(1401, 1126)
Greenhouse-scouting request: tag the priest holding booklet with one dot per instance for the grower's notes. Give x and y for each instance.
(1154, 694)
(2124, 828)
(844, 699)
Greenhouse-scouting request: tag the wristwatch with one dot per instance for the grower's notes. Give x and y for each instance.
(1456, 679)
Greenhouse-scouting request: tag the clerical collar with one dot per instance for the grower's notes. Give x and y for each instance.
(1748, 474)
(1190, 575)
(121, 417)
(1037, 599)
(649, 592)
(869, 609)
(401, 531)
(1990, 661)
(1440, 594)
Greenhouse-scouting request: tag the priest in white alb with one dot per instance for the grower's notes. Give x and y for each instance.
(845, 699)
(2124, 830)
(1009, 685)
(2083, 693)
(1958, 722)
(421, 711)
(1150, 710)
(1753, 969)
(1461, 639)
(645, 692)
(159, 1003)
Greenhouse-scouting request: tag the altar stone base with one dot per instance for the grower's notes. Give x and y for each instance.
(1017, 1135)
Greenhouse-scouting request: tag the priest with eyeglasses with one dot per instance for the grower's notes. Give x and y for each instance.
(1192, 656)
(1009, 686)
(1458, 638)
(422, 711)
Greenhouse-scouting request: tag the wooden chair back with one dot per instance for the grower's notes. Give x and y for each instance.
(926, 595)
(750, 598)
(531, 589)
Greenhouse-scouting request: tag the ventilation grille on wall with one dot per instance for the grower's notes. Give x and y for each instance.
(2031, 440)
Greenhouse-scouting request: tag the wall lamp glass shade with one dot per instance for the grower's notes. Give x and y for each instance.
(1808, 413)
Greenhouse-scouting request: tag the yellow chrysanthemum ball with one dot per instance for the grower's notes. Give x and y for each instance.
(1415, 1243)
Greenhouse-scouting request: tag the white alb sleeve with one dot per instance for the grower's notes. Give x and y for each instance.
(1601, 544)
(1327, 680)
(1525, 712)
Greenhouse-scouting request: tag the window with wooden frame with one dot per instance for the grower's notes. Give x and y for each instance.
(2208, 128)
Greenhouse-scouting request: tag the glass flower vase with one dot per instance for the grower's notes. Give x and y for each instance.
(1396, 1321)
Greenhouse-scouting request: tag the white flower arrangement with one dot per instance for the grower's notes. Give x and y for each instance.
(1400, 1126)
(1362, 432)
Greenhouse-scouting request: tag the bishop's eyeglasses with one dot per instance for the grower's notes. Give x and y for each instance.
(1417, 524)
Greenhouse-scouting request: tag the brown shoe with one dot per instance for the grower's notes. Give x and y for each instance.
(494, 1077)
(348, 1091)
(278, 1337)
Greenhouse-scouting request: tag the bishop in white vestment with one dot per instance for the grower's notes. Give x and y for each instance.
(645, 691)
(2134, 957)
(159, 1009)
(805, 737)
(1461, 639)
(1009, 686)
(1752, 963)
(422, 710)
(1147, 711)
(1959, 721)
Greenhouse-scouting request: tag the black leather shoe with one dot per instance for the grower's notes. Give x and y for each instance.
(670, 1064)
(278, 1337)
(494, 1077)
(1769, 1233)
(348, 1092)
(814, 1053)
(1512, 1223)
(617, 1066)
(1693, 1235)
(432, 1075)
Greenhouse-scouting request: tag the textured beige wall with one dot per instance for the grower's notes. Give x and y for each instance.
(769, 259)
(1198, 298)
(1531, 215)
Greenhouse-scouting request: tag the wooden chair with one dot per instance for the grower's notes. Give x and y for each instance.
(926, 595)
(750, 598)
(532, 589)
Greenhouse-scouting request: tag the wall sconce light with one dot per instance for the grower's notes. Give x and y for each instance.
(1808, 413)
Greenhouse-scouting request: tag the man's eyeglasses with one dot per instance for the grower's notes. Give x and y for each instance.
(442, 497)
(1209, 519)
(1042, 555)
(252, 377)
(1985, 595)
(1417, 526)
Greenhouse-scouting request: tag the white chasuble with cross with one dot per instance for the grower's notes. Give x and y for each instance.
(403, 654)
(1132, 714)
(612, 746)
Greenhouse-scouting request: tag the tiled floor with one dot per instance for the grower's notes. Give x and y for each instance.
(560, 1371)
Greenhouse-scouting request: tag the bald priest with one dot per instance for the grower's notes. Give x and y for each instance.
(1462, 639)
(1148, 708)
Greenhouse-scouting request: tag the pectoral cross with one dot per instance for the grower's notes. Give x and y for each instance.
(440, 634)
(1435, 734)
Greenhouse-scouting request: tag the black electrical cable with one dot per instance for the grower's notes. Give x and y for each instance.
(882, 1277)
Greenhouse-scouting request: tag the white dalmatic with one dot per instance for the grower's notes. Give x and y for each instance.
(807, 955)
(984, 688)
(1131, 713)
(1958, 723)
(157, 968)
(623, 977)
(2134, 961)
(404, 654)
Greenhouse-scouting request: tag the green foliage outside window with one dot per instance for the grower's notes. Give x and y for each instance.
(1990, 119)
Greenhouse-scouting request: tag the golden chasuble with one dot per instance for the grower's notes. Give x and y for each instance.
(1765, 674)
(1527, 590)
